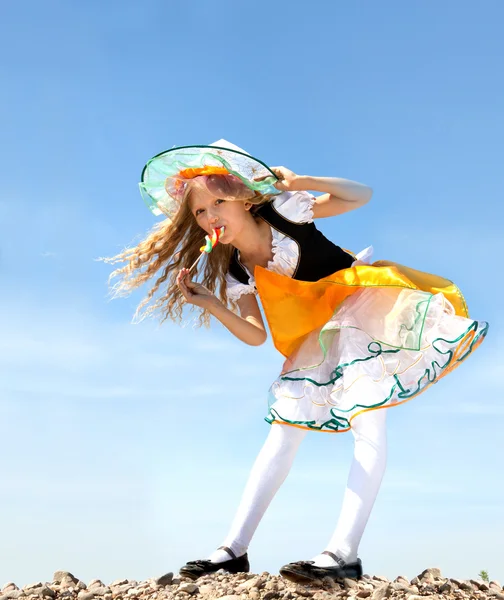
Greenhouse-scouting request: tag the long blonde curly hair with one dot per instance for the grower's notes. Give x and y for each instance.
(171, 245)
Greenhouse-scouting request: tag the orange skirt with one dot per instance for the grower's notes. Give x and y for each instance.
(364, 338)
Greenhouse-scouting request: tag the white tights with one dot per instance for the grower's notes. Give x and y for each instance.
(273, 465)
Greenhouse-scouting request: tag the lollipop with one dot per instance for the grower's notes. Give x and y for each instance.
(210, 243)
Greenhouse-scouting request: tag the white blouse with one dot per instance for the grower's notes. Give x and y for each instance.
(296, 207)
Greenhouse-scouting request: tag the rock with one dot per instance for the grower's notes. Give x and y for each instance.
(33, 586)
(59, 576)
(495, 585)
(271, 584)
(85, 595)
(247, 585)
(381, 592)
(206, 589)
(271, 595)
(260, 583)
(462, 585)
(430, 573)
(100, 590)
(401, 587)
(363, 593)
(95, 582)
(447, 588)
(166, 579)
(119, 582)
(10, 586)
(255, 595)
(300, 590)
(330, 583)
(13, 595)
(479, 585)
(350, 583)
(188, 588)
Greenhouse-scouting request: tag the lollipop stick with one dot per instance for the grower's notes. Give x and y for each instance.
(196, 262)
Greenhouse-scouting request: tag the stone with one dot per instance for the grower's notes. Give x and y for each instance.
(165, 579)
(206, 589)
(59, 576)
(381, 592)
(95, 582)
(85, 595)
(10, 586)
(271, 585)
(447, 588)
(430, 573)
(260, 583)
(100, 590)
(363, 593)
(188, 588)
(271, 595)
(13, 595)
(33, 586)
(495, 584)
(401, 587)
(119, 582)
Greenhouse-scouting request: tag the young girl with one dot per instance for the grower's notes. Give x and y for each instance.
(356, 337)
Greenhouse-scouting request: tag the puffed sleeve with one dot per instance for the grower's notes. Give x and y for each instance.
(235, 289)
(295, 206)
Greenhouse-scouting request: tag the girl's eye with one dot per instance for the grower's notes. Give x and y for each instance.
(200, 210)
(219, 200)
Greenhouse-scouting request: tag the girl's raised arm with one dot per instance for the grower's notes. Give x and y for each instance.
(338, 195)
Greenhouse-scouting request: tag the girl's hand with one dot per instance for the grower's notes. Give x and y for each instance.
(194, 293)
(288, 181)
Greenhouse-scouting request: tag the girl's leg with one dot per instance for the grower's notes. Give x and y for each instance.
(268, 473)
(366, 473)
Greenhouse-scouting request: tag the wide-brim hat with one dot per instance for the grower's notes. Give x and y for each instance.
(166, 176)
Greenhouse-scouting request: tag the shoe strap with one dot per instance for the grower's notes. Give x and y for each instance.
(339, 560)
(228, 550)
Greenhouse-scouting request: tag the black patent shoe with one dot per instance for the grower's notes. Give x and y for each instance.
(306, 571)
(197, 568)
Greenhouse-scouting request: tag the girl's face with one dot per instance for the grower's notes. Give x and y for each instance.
(212, 211)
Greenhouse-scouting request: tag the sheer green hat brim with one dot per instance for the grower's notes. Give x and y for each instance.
(163, 190)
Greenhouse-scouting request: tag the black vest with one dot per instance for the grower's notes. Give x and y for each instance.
(318, 257)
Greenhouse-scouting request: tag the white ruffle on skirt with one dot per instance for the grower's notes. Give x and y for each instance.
(383, 346)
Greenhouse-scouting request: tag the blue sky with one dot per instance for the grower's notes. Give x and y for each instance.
(126, 447)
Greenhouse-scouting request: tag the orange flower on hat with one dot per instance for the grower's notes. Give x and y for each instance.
(206, 170)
